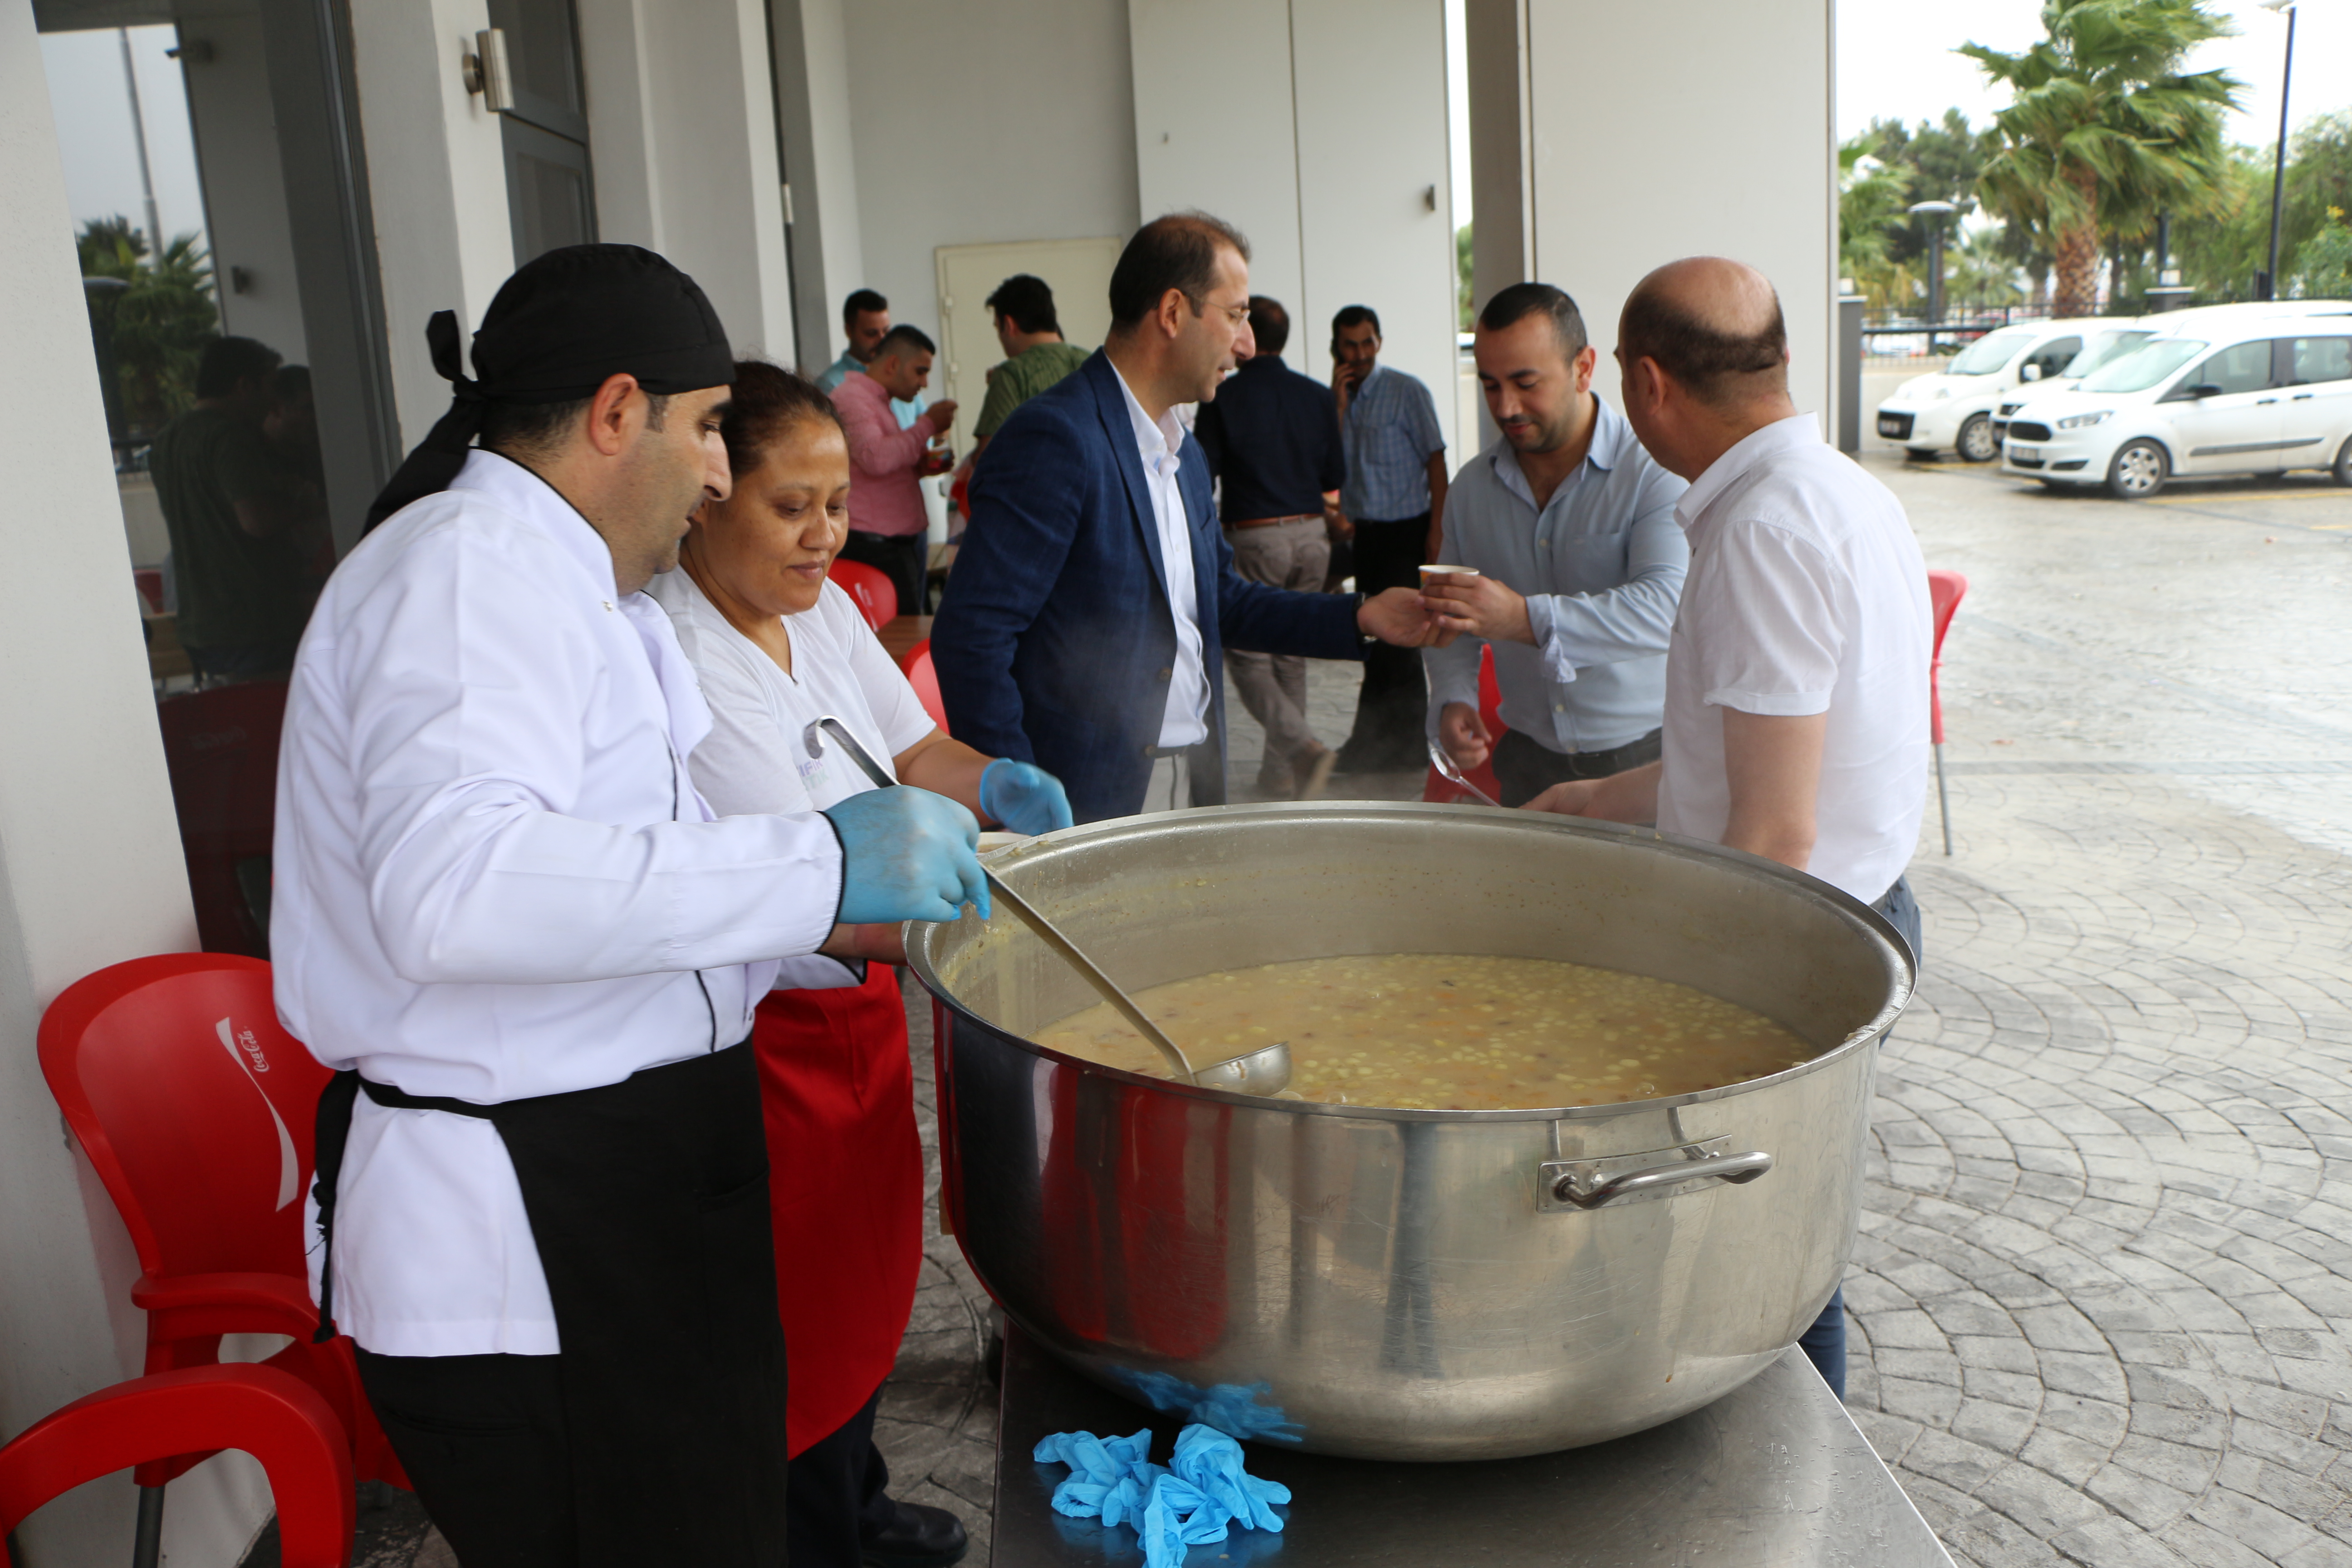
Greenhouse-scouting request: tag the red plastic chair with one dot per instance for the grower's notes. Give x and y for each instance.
(220, 746)
(877, 595)
(925, 679)
(149, 579)
(278, 1419)
(1437, 787)
(1946, 589)
(197, 1111)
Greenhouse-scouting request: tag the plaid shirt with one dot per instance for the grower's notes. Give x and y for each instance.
(1390, 433)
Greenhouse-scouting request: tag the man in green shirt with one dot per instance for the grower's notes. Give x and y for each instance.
(237, 519)
(1035, 357)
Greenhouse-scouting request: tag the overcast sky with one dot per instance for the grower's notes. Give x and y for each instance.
(1895, 61)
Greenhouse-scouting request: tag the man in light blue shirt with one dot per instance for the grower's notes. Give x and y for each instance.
(1570, 525)
(866, 321)
(1394, 507)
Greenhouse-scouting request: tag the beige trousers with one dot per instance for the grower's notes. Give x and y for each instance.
(1272, 687)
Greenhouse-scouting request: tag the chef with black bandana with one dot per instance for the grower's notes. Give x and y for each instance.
(505, 917)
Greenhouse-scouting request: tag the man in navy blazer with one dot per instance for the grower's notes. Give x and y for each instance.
(1060, 641)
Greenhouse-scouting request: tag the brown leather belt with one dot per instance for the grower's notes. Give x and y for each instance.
(1276, 521)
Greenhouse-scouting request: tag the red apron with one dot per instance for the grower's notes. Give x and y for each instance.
(845, 1184)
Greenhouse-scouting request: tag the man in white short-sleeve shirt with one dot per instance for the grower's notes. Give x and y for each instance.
(1796, 715)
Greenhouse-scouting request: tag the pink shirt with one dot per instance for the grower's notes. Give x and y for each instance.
(882, 497)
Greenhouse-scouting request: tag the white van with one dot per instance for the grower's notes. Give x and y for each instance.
(2262, 396)
(2108, 344)
(1954, 406)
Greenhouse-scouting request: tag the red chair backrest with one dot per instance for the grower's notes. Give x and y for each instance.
(1946, 589)
(925, 679)
(195, 1107)
(277, 1418)
(220, 746)
(149, 579)
(877, 595)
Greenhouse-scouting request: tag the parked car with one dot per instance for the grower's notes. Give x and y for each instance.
(1954, 406)
(2264, 397)
(2108, 344)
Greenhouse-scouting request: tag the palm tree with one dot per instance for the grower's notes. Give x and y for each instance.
(2105, 130)
(161, 323)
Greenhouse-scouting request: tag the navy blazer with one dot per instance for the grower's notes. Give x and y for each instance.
(1054, 643)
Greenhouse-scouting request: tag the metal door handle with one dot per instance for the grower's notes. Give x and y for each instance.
(2259, 401)
(1572, 1187)
(2301, 397)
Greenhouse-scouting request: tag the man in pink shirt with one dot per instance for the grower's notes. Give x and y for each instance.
(887, 520)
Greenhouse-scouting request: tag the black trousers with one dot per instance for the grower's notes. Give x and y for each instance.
(907, 558)
(1391, 711)
(483, 1439)
(837, 1496)
(1525, 767)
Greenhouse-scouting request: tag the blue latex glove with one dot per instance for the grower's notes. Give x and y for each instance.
(1022, 796)
(1212, 1461)
(907, 855)
(1177, 1516)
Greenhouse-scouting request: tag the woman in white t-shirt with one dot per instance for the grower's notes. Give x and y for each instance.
(775, 645)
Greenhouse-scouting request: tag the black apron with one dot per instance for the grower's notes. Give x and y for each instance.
(648, 1200)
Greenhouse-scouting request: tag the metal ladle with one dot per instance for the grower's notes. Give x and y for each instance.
(1451, 775)
(1263, 1071)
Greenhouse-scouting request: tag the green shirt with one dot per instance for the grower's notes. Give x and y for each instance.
(1022, 377)
(234, 589)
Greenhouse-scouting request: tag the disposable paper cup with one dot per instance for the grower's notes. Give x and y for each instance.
(1431, 575)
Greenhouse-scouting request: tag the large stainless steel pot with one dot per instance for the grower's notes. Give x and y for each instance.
(1403, 1284)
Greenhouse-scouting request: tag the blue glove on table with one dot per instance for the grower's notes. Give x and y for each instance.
(907, 855)
(1171, 1511)
(1022, 796)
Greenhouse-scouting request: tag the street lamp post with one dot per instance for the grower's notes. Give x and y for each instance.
(1933, 210)
(2270, 279)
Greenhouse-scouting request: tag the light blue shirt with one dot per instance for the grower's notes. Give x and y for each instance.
(1390, 434)
(1601, 566)
(840, 370)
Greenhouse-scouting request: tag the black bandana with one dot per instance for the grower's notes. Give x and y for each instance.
(558, 328)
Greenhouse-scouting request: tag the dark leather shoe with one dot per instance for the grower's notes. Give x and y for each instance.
(920, 1537)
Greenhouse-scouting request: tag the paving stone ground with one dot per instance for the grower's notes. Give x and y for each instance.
(2102, 1300)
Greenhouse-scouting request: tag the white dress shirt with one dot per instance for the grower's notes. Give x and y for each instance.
(754, 759)
(1161, 445)
(494, 880)
(1807, 594)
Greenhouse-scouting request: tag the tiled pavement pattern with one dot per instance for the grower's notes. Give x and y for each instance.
(2101, 1300)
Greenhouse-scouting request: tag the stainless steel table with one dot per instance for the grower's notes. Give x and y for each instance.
(1773, 1474)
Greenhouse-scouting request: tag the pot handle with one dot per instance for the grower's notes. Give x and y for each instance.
(1571, 1187)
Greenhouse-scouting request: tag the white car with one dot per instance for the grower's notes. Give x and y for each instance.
(2104, 345)
(1954, 406)
(2260, 397)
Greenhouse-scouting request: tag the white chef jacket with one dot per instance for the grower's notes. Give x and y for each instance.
(754, 758)
(1160, 442)
(1806, 595)
(494, 880)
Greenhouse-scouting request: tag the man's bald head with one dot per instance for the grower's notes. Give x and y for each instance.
(1714, 326)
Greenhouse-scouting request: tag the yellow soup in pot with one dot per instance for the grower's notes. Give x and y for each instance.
(1429, 1032)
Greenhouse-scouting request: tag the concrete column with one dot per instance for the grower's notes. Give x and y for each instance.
(90, 871)
(812, 67)
(436, 180)
(682, 135)
(1502, 231)
(227, 76)
(1700, 128)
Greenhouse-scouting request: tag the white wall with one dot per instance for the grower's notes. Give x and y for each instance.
(1680, 128)
(436, 177)
(977, 124)
(682, 136)
(245, 187)
(1319, 131)
(90, 870)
